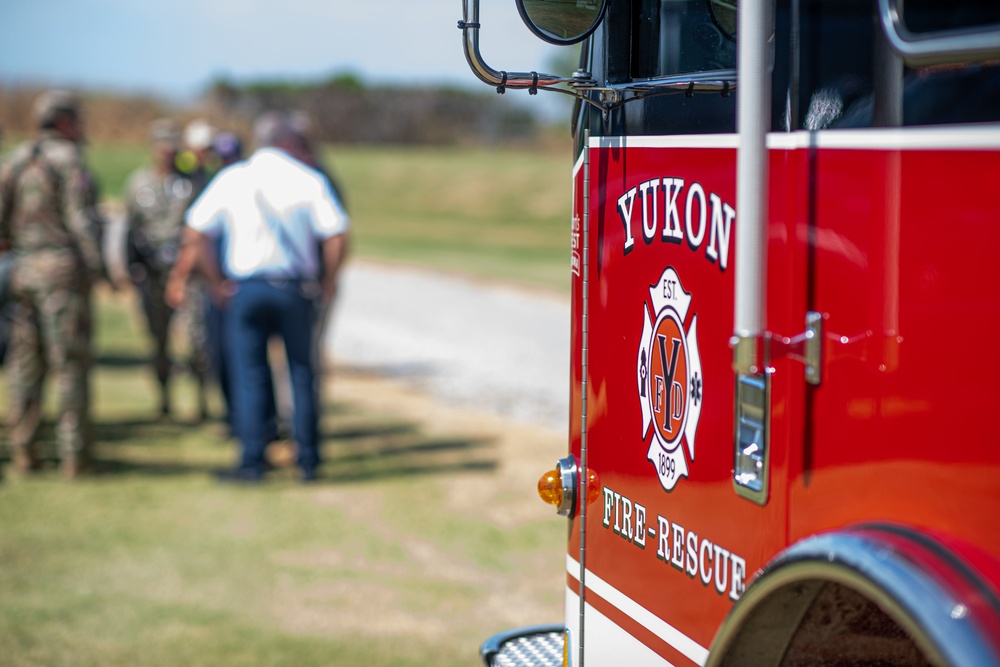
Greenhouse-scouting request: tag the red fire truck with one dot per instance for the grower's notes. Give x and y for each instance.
(782, 448)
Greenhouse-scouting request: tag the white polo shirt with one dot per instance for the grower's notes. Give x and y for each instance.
(270, 213)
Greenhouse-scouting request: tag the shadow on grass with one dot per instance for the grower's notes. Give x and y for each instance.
(359, 432)
(153, 432)
(356, 453)
(121, 360)
(110, 466)
(380, 458)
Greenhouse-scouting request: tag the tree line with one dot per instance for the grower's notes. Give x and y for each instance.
(342, 110)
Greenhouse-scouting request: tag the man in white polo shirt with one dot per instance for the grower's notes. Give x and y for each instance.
(282, 232)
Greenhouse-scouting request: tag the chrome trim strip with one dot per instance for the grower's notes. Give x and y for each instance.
(731, 141)
(938, 48)
(939, 551)
(582, 477)
(980, 137)
(945, 137)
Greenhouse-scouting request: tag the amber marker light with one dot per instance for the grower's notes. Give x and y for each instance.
(550, 487)
(593, 487)
(558, 486)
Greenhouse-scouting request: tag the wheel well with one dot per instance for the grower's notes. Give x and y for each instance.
(822, 623)
(875, 595)
(843, 627)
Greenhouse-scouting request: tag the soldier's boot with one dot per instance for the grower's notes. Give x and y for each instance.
(75, 433)
(25, 417)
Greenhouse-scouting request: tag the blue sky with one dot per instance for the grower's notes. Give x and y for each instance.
(176, 48)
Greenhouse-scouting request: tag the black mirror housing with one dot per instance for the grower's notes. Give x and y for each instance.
(562, 22)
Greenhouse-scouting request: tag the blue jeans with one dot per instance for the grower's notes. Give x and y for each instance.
(259, 310)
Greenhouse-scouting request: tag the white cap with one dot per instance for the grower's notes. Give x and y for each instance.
(198, 135)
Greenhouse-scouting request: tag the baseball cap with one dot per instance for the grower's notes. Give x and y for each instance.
(49, 104)
(165, 130)
(227, 146)
(198, 134)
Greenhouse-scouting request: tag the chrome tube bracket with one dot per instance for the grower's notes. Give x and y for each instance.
(569, 473)
(942, 47)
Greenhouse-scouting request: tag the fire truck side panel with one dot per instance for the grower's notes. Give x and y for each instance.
(899, 426)
(884, 470)
(667, 537)
(841, 217)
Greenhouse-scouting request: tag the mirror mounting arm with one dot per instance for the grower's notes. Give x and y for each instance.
(501, 80)
(579, 83)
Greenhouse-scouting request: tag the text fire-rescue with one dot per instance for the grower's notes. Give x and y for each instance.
(683, 549)
(663, 195)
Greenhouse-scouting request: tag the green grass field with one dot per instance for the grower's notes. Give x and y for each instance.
(501, 214)
(423, 537)
(497, 214)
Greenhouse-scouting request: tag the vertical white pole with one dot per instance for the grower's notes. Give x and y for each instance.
(753, 38)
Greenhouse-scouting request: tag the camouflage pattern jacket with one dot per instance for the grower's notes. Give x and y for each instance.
(48, 208)
(155, 208)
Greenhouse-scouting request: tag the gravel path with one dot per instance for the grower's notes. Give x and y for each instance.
(494, 348)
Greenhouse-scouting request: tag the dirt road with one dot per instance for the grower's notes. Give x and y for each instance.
(475, 363)
(492, 348)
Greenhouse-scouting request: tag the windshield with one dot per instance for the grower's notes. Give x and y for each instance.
(681, 36)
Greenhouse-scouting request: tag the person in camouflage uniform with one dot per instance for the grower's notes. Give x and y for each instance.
(156, 198)
(199, 163)
(49, 219)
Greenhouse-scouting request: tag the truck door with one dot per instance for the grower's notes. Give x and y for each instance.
(668, 540)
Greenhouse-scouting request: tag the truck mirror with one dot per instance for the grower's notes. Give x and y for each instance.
(723, 13)
(562, 22)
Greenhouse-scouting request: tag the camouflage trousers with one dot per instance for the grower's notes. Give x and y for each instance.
(152, 290)
(195, 314)
(50, 332)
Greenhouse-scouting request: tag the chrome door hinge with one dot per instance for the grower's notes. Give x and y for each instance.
(806, 347)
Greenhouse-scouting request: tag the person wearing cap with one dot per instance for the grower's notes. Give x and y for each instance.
(228, 148)
(6, 271)
(282, 230)
(303, 150)
(196, 158)
(156, 197)
(49, 219)
(197, 161)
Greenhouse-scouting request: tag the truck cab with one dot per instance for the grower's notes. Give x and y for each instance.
(780, 220)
